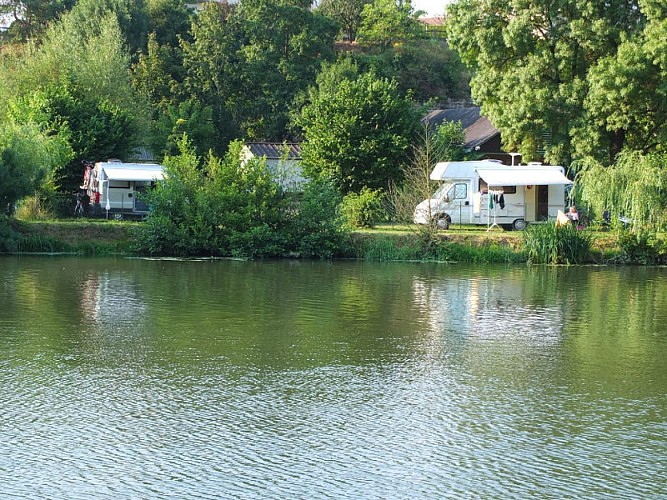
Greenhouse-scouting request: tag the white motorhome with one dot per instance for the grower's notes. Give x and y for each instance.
(115, 187)
(489, 193)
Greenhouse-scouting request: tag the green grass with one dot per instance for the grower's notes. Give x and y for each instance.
(383, 246)
(386, 242)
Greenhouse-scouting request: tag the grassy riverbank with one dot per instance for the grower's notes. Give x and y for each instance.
(87, 237)
(383, 243)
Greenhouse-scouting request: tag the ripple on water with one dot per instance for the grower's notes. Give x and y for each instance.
(481, 394)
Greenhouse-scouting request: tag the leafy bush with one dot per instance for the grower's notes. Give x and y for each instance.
(363, 209)
(8, 237)
(32, 208)
(642, 247)
(552, 244)
(316, 226)
(230, 208)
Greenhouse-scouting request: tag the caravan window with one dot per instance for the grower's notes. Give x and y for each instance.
(484, 188)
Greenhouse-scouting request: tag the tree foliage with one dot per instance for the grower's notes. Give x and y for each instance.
(131, 16)
(635, 186)
(531, 63)
(30, 152)
(627, 97)
(386, 22)
(347, 13)
(358, 133)
(248, 63)
(29, 18)
(227, 206)
(86, 89)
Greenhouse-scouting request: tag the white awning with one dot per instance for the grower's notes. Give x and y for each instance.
(126, 172)
(523, 176)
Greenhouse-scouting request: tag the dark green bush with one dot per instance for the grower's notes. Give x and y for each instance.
(642, 247)
(316, 226)
(227, 207)
(8, 237)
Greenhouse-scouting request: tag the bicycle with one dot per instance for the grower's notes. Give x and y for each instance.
(78, 209)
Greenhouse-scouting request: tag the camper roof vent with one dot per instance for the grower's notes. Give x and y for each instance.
(534, 163)
(114, 160)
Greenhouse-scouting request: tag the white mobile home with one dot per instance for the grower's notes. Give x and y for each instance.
(488, 192)
(116, 187)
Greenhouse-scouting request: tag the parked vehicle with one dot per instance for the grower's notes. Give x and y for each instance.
(115, 188)
(490, 193)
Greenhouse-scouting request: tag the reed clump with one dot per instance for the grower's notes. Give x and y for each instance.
(556, 244)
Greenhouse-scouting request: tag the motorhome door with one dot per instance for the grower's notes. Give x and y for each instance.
(542, 203)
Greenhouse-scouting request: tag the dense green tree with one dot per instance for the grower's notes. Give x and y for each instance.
(347, 13)
(186, 117)
(634, 186)
(626, 103)
(29, 18)
(168, 20)
(531, 62)
(249, 63)
(30, 151)
(387, 22)
(86, 90)
(427, 67)
(357, 133)
(285, 45)
(230, 206)
(211, 63)
(131, 15)
(158, 74)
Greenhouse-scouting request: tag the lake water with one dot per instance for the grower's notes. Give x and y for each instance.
(130, 378)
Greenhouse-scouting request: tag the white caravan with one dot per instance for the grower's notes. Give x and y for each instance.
(115, 187)
(489, 193)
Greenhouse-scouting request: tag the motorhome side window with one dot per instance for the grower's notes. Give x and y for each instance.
(458, 192)
(484, 188)
(119, 184)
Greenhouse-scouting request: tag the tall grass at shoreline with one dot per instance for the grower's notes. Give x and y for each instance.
(552, 244)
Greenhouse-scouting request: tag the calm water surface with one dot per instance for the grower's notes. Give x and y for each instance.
(126, 378)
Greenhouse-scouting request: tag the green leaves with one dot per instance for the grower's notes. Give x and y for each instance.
(635, 186)
(385, 22)
(248, 63)
(534, 62)
(230, 207)
(357, 134)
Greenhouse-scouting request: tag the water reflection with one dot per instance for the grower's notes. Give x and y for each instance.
(488, 308)
(223, 379)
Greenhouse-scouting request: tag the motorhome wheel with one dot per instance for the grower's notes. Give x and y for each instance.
(443, 221)
(519, 225)
(118, 216)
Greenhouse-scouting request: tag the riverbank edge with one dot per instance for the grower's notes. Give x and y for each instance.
(383, 243)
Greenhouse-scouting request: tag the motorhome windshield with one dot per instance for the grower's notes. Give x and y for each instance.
(442, 191)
